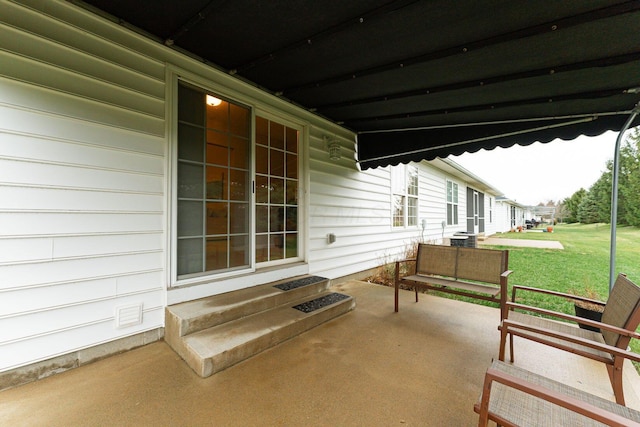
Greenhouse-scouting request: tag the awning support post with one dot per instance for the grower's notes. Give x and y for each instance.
(614, 196)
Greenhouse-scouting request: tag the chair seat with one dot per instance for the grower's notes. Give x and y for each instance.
(524, 409)
(562, 327)
(460, 284)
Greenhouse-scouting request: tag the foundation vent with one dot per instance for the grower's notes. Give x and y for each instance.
(128, 315)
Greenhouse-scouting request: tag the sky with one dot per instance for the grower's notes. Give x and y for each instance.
(542, 172)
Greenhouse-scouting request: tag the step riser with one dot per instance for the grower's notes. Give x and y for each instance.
(212, 334)
(184, 327)
(210, 366)
(174, 339)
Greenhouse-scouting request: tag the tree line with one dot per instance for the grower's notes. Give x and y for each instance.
(594, 205)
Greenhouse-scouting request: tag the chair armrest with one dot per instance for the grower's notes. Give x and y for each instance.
(576, 319)
(614, 351)
(554, 293)
(504, 292)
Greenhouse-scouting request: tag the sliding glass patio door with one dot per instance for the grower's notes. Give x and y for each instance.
(235, 210)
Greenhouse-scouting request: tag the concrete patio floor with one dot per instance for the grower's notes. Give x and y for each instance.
(423, 366)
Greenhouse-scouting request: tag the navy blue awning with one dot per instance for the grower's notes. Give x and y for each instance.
(418, 79)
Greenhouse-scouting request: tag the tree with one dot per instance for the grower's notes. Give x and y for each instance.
(562, 212)
(572, 205)
(600, 197)
(629, 181)
(588, 212)
(594, 205)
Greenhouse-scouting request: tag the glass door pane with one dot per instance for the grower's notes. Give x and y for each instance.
(214, 138)
(276, 211)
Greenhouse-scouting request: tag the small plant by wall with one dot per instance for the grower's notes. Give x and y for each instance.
(385, 273)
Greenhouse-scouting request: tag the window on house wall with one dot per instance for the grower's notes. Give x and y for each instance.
(452, 203)
(404, 185)
(213, 183)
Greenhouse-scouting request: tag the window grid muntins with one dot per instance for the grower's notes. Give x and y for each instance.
(452, 203)
(276, 191)
(405, 195)
(398, 211)
(213, 184)
(412, 196)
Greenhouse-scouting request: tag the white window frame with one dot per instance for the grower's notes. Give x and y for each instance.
(452, 192)
(405, 201)
(302, 185)
(176, 74)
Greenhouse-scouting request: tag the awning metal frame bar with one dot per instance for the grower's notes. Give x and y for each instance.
(614, 196)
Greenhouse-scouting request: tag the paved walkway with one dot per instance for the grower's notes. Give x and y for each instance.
(542, 244)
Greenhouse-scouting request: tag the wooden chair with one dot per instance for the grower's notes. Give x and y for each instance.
(620, 319)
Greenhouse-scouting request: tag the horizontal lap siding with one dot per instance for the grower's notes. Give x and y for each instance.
(433, 204)
(82, 177)
(55, 295)
(61, 341)
(356, 207)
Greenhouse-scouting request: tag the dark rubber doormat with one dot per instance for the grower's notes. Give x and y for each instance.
(299, 282)
(315, 304)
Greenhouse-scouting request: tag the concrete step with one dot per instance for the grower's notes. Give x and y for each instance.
(214, 349)
(193, 316)
(214, 333)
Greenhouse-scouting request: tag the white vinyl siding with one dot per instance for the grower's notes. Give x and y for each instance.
(82, 172)
(490, 201)
(355, 206)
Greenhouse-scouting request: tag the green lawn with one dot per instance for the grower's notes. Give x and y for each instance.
(583, 264)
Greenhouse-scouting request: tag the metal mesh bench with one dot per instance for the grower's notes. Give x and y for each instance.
(470, 272)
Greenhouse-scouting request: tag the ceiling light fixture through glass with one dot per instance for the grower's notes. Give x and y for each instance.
(213, 101)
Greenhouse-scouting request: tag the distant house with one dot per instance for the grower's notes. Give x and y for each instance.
(134, 177)
(510, 215)
(477, 199)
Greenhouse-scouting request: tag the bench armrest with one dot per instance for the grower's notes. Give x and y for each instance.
(401, 261)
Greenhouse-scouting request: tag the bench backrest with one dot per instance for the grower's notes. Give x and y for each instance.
(482, 265)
